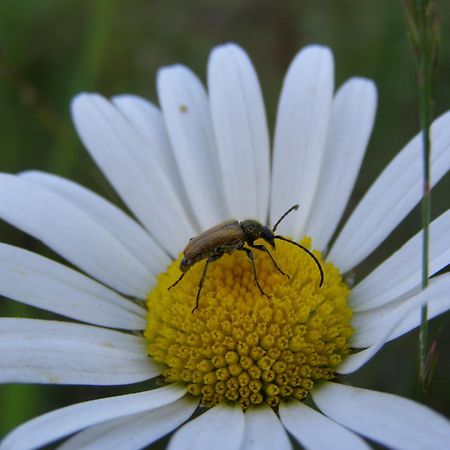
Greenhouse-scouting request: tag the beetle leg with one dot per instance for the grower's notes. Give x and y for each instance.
(264, 249)
(250, 257)
(211, 259)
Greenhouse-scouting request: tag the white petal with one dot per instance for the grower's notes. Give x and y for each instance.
(148, 122)
(41, 351)
(135, 431)
(392, 421)
(438, 303)
(314, 431)
(46, 284)
(62, 422)
(351, 123)
(300, 134)
(129, 165)
(402, 271)
(240, 127)
(395, 192)
(126, 230)
(219, 428)
(353, 362)
(73, 234)
(370, 325)
(186, 112)
(263, 430)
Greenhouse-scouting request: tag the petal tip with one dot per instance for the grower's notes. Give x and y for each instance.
(83, 99)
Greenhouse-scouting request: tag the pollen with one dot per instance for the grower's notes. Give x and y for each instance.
(239, 346)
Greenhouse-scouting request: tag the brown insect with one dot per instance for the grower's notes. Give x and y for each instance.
(232, 235)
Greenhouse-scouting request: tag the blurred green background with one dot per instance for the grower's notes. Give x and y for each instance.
(52, 49)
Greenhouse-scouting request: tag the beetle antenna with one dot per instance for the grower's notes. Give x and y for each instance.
(305, 250)
(292, 208)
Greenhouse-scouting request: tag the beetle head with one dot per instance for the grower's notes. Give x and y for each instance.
(185, 265)
(268, 236)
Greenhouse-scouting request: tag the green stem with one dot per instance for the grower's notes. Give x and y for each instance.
(425, 68)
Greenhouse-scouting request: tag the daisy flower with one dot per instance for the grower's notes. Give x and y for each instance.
(242, 362)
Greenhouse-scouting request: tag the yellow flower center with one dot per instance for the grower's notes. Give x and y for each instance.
(240, 346)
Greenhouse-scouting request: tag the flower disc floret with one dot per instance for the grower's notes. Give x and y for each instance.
(240, 346)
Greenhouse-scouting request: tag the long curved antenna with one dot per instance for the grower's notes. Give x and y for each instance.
(292, 208)
(176, 282)
(307, 251)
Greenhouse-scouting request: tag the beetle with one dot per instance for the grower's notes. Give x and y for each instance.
(232, 235)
